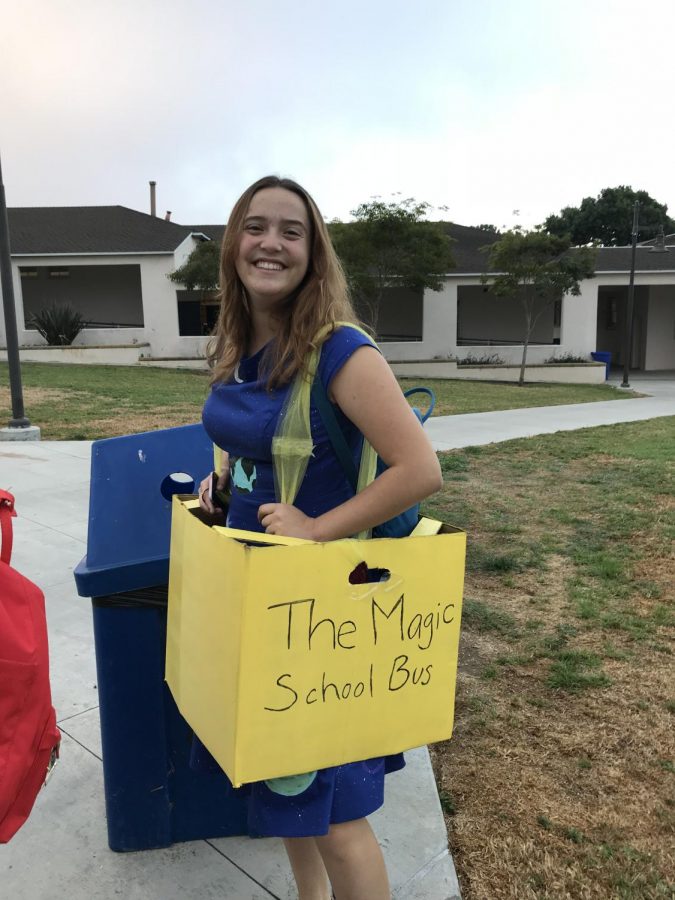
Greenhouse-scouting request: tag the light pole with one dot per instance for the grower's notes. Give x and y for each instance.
(628, 325)
(18, 419)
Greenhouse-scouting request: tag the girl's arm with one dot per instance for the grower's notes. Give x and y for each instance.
(367, 392)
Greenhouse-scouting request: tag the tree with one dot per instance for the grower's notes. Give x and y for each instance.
(201, 270)
(536, 268)
(389, 245)
(608, 218)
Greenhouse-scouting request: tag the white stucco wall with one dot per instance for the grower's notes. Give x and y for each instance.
(511, 354)
(660, 343)
(579, 319)
(153, 271)
(126, 355)
(160, 306)
(160, 310)
(578, 332)
(440, 328)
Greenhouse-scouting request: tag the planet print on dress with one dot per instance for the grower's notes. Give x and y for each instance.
(291, 785)
(244, 475)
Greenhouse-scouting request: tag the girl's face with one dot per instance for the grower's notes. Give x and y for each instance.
(273, 254)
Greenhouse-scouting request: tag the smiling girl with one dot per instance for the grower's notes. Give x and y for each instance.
(280, 283)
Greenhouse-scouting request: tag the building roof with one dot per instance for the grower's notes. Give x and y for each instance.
(46, 230)
(618, 259)
(470, 248)
(471, 252)
(215, 232)
(669, 241)
(61, 230)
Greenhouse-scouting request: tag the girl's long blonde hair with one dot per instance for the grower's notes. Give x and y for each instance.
(321, 299)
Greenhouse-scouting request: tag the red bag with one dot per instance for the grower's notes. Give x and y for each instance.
(29, 738)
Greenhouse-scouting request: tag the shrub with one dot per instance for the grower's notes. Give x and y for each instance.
(565, 358)
(58, 324)
(488, 359)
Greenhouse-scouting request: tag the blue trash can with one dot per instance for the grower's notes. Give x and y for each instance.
(152, 797)
(604, 357)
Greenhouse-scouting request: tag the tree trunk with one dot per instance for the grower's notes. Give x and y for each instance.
(368, 310)
(521, 379)
(528, 331)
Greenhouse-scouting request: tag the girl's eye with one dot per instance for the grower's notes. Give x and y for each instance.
(253, 228)
(293, 233)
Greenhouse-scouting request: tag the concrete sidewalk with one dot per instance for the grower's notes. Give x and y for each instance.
(62, 850)
(452, 432)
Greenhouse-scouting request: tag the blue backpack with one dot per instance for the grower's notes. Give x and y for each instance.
(403, 524)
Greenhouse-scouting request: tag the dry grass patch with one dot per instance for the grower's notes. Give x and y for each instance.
(136, 422)
(559, 781)
(40, 396)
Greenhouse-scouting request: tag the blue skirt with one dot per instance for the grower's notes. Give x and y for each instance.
(307, 805)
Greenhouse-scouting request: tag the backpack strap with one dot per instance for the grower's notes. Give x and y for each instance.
(7, 511)
(335, 433)
(432, 401)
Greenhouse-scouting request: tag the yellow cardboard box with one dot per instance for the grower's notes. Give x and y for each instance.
(283, 665)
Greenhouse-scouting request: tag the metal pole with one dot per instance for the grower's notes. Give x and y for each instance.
(628, 325)
(18, 419)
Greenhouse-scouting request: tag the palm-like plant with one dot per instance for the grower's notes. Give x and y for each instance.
(59, 324)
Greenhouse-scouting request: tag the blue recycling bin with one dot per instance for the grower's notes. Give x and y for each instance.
(152, 797)
(603, 357)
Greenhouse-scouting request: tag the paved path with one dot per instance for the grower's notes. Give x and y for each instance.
(452, 432)
(62, 850)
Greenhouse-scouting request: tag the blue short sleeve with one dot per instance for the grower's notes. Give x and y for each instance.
(338, 348)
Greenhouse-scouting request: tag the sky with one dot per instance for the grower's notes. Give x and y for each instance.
(491, 111)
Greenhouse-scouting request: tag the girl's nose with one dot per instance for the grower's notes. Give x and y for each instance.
(271, 240)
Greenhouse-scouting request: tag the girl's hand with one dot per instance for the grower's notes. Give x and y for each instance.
(280, 518)
(205, 486)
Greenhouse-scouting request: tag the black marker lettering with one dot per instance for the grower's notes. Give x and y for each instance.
(286, 688)
(290, 606)
(325, 686)
(375, 605)
(313, 628)
(341, 633)
(399, 667)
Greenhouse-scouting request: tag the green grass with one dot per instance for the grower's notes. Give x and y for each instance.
(448, 804)
(575, 670)
(483, 617)
(71, 402)
(453, 397)
(568, 636)
(138, 384)
(86, 402)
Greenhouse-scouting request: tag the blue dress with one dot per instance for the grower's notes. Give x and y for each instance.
(241, 417)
